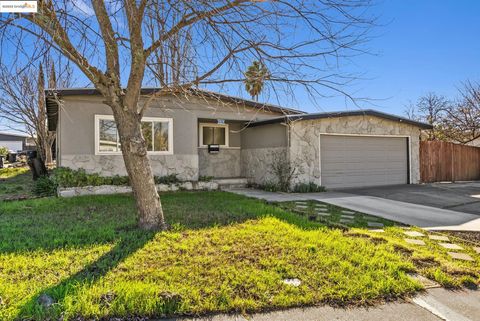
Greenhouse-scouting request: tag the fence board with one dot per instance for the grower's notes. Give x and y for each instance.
(443, 161)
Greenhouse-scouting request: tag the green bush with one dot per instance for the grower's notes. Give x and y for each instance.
(205, 178)
(66, 177)
(3, 151)
(308, 188)
(45, 186)
(269, 187)
(167, 179)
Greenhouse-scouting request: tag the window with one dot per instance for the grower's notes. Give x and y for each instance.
(158, 134)
(213, 134)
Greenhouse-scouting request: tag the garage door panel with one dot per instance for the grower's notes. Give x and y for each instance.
(353, 161)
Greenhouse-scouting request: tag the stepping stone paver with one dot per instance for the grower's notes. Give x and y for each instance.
(477, 249)
(323, 214)
(415, 241)
(451, 246)
(348, 212)
(378, 230)
(346, 221)
(413, 234)
(347, 216)
(321, 209)
(427, 283)
(375, 224)
(292, 282)
(460, 256)
(438, 238)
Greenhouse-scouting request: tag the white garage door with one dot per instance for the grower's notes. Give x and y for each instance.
(11, 145)
(356, 161)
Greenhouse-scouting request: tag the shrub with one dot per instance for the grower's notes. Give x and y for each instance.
(269, 187)
(283, 170)
(308, 188)
(167, 179)
(205, 178)
(45, 186)
(66, 177)
(3, 151)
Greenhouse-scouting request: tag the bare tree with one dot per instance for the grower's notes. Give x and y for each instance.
(22, 103)
(431, 109)
(302, 42)
(462, 119)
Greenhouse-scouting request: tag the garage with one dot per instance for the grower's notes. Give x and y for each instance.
(357, 161)
(12, 145)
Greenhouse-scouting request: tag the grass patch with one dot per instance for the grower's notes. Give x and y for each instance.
(15, 182)
(225, 253)
(432, 260)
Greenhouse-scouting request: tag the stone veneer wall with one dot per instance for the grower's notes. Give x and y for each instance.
(256, 163)
(304, 136)
(226, 163)
(186, 166)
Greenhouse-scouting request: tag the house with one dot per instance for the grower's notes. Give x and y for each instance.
(337, 149)
(15, 142)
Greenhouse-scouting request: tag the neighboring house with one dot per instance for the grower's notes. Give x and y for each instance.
(14, 142)
(341, 149)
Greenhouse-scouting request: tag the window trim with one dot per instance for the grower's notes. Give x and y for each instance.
(146, 119)
(200, 133)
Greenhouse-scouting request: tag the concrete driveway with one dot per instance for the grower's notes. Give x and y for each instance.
(436, 206)
(458, 197)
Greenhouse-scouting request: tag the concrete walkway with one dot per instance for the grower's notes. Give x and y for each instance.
(433, 305)
(403, 212)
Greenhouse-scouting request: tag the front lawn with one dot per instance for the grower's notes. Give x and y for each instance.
(225, 252)
(15, 183)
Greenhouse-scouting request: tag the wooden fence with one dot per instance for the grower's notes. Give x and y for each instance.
(442, 161)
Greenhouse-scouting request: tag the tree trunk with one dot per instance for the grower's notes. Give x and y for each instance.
(150, 213)
(48, 154)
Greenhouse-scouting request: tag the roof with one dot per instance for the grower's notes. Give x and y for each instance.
(52, 102)
(14, 134)
(360, 112)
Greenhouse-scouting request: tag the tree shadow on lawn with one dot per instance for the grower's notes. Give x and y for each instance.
(54, 223)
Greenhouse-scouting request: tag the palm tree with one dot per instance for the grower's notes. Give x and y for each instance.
(255, 77)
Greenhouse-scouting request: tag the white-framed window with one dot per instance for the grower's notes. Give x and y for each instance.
(213, 134)
(158, 134)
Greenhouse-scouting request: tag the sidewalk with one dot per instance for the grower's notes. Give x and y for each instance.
(433, 305)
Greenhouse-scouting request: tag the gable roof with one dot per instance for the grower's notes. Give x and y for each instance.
(52, 101)
(361, 112)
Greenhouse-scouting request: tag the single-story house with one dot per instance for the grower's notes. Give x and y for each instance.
(14, 142)
(334, 149)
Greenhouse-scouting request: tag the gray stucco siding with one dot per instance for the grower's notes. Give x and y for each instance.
(76, 137)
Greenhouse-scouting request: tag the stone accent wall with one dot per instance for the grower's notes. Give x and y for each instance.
(304, 140)
(256, 163)
(186, 166)
(226, 163)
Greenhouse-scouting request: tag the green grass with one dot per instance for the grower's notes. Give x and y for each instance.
(225, 252)
(432, 260)
(15, 182)
(334, 219)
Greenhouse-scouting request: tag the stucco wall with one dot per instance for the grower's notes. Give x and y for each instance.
(256, 163)
(260, 145)
(225, 163)
(76, 134)
(304, 140)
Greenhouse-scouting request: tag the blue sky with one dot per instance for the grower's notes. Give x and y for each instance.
(421, 46)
